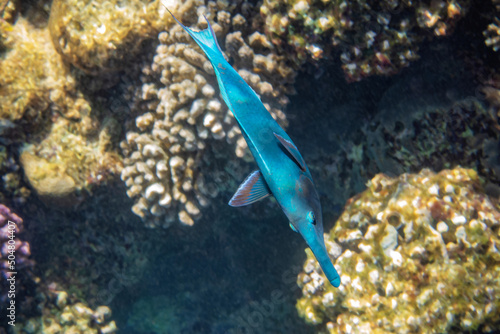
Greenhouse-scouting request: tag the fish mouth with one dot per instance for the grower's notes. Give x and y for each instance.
(317, 246)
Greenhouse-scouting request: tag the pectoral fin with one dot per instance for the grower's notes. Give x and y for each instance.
(293, 151)
(253, 189)
(293, 228)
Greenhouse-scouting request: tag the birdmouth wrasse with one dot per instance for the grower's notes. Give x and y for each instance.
(282, 172)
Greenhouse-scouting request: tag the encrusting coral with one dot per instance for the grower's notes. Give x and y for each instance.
(374, 37)
(185, 128)
(34, 79)
(61, 314)
(407, 139)
(70, 142)
(102, 36)
(68, 161)
(416, 254)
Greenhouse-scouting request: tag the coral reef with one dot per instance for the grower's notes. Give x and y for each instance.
(466, 134)
(34, 79)
(492, 35)
(99, 37)
(100, 250)
(12, 185)
(406, 139)
(14, 253)
(65, 133)
(417, 253)
(61, 314)
(70, 159)
(374, 37)
(184, 127)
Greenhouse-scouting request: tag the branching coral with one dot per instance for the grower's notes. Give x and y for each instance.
(185, 127)
(372, 37)
(418, 253)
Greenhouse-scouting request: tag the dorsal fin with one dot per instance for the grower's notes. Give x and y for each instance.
(253, 189)
(293, 151)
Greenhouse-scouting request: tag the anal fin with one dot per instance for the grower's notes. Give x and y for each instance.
(253, 189)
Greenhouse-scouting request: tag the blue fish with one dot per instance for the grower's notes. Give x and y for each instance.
(282, 172)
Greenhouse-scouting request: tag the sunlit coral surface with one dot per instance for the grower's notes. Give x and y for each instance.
(416, 254)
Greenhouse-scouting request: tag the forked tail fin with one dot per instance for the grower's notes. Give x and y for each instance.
(205, 38)
(207, 41)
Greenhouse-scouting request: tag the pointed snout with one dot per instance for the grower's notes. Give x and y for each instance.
(317, 245)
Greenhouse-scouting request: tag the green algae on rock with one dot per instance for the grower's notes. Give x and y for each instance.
(416, 254)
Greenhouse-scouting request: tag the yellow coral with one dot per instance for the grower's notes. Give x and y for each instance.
(416, 254)
(98, 36)
(61, 314)
(71, 159)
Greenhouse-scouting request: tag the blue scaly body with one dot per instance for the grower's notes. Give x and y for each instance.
(282, 170)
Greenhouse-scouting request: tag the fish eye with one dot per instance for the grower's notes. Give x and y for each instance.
(311, 217)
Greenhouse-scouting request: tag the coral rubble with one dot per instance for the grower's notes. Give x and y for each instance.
(184, 128)
(374, 37)
(418, 253)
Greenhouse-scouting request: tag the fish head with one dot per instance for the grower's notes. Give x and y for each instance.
(307, 216)
(307, 219)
